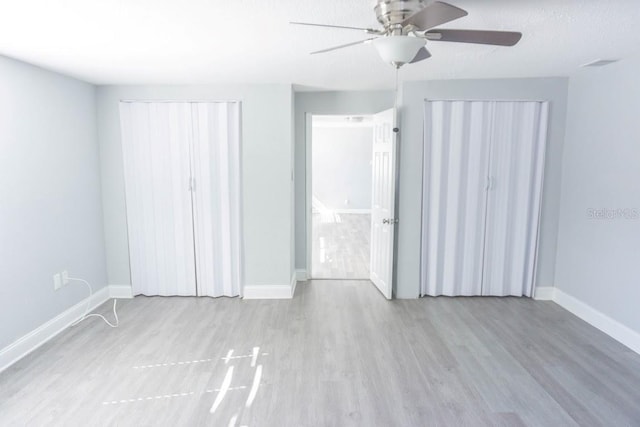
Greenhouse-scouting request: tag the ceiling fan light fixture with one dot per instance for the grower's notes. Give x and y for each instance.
(398, 50)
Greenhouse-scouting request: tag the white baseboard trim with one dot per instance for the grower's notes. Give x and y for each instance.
(301, 275)
(273, 291)
(120, 291)
(34, 339)
(595, 318)
(609, 326)
(544, 293)
(268, 292)
(294, 282)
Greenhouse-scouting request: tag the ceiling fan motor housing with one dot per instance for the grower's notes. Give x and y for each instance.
(391, 13)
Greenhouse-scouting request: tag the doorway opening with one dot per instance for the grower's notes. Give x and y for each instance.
(341, 196)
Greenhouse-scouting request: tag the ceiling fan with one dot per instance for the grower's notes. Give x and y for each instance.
(409, 24)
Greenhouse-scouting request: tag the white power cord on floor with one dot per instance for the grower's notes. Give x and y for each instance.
(86, 311)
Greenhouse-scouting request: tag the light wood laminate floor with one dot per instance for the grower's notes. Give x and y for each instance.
(340, 248)
(337, 354)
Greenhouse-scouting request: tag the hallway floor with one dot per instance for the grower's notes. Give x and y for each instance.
(340, 247)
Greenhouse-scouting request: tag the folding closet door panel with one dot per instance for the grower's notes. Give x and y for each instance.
(217, 198)
(155, 145)
(454, 196)
(513, 210)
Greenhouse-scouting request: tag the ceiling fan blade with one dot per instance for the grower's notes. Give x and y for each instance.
(422, 54)
(498, 38)
(366, 30)
(342, 46)
(437, 13)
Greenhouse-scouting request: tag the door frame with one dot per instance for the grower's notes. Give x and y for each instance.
(308, 119)
(308, 196)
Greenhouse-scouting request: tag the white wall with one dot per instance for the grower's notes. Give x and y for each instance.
(267, 174)
(329, 103)
(341, 166)
(599, 259)
(50, 207)
(553, 90)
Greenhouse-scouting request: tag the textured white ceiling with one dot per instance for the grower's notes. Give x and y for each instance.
(250, 41)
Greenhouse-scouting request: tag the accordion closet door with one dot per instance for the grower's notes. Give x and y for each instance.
(156, 139)
(482, 188)
(182, 178)
(216, 198)
(514, 198)
(454, 201)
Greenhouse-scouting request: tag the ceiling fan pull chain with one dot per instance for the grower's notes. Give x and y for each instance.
(396, 100)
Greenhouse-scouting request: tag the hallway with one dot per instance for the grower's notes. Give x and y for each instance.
(340, 246)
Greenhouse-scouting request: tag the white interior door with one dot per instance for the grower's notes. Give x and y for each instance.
(155, 144)
(383, 209)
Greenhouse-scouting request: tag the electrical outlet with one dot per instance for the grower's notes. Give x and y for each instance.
(57, 281)
(65, 277)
